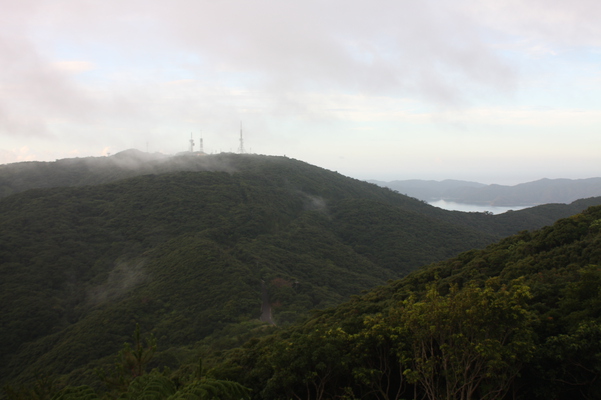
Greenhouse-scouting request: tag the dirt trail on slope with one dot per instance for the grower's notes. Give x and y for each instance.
(266, 306)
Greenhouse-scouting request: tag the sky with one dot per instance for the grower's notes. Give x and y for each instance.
(494, 91)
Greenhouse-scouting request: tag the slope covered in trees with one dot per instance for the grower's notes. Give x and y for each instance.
(520, 319)
(186, 252)
(18, 177)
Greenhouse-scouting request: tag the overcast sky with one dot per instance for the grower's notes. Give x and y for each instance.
(496, 91)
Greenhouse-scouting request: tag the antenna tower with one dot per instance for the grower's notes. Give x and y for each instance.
(201, 146)
(241, 148)
(191, 144)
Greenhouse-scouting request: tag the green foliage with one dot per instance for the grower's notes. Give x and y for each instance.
(465, 328)
(153, 386)
(76, 393)
(184, 253)
(372, 229)
(469, 343)
(131, 362)
(208, 388)
(182, 246)
(160, 386)
(573, 361)
(129, 380)
(42, 388)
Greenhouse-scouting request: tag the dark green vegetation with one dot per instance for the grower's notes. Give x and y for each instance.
(183, 247)
(520, 319)
(128, 378)
(17, 177)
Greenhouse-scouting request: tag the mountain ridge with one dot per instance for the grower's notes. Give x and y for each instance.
(542, 191)
(183, 252)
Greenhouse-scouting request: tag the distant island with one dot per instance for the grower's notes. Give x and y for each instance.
(543, 191)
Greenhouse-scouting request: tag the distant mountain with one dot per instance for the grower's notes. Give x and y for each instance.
(190, 246)
(532, 193)
(543, 191)
(427, 190)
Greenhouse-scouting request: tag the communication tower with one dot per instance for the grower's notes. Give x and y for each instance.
(191, 144)
(241, 148)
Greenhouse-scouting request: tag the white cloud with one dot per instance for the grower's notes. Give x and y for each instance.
(16, 155)
(73, 66)
(554, 22)
(118, 74)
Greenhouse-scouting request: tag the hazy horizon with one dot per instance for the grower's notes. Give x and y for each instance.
(499, 92)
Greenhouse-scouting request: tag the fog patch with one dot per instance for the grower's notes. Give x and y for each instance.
(312, 202)
(186, 161)
(223, 162)
(315, 203)
(135, 159)
(121, 280)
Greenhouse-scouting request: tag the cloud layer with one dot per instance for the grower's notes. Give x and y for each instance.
(83, 76)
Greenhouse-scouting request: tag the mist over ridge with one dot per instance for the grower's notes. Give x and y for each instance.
(134, 162)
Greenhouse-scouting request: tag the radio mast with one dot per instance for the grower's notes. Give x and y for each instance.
(191, 144)
(241, 148)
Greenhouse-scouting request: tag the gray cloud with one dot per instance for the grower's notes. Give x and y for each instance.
(387, 47)
(553, 22)
(384, 47)
(33, 90)
(160, 67)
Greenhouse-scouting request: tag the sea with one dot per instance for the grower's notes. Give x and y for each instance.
(450, 205)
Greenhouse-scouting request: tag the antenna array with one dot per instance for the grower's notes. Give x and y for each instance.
(191, 144)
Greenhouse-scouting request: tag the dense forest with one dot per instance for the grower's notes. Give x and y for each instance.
(519, 319)
(188, 251)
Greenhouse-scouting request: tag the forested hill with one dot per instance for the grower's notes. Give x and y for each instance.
(18, 177)
(520, 319)
(187, 250)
